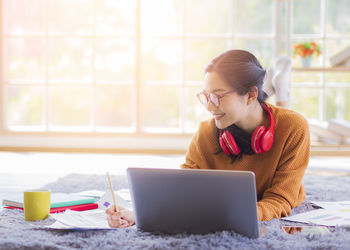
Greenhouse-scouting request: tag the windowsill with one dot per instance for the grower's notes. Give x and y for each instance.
(96, 142)
(326, 69)
(141, 144)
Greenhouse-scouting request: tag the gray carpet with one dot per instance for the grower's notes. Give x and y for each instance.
(15, 233)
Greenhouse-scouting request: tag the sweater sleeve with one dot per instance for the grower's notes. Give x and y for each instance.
(192, 155)
(286, 191)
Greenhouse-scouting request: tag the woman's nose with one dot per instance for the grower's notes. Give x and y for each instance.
(210, 106)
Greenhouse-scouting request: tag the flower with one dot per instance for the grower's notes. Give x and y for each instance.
(306, 49)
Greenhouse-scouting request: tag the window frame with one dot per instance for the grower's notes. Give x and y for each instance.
(322, 71)
(138, 130)
(138, 140)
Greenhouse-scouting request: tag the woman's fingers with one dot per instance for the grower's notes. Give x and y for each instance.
(119, 219)
(124, 224)
(109, 211)
(116, 223)
(111, 222)
(112, 209)
(115, 219)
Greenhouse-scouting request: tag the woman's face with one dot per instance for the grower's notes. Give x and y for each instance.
(232, 108)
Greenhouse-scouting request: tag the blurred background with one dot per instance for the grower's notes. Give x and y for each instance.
(122, 76)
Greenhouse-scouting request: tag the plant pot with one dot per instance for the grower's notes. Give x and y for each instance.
(306, 62)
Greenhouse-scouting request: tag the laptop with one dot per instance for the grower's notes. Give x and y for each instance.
(194, 201)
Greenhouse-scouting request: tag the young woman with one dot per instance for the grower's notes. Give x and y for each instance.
(247, 134)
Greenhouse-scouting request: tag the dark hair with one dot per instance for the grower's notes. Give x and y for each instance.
(242, 71)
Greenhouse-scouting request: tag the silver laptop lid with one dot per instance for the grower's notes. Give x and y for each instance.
(194, 201)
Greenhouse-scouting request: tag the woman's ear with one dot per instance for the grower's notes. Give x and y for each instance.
(252, 95)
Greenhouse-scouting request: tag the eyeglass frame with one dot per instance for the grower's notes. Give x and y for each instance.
(209, 97)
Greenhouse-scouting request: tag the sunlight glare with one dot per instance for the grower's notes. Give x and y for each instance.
(168, 53)
(165, 21)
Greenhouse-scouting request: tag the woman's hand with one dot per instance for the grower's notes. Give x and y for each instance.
(123, 218)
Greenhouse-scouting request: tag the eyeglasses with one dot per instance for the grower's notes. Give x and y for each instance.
(204, 98)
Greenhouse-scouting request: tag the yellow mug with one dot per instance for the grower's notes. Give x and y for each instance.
(36, 204)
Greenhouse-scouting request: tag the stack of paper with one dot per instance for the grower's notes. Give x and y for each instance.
(59, 202)
(332, 214)
(341, 127)
(341, 58)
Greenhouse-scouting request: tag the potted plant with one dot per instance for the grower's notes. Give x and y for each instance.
(306, 50)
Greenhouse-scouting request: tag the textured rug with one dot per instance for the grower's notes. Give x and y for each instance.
(15, 233)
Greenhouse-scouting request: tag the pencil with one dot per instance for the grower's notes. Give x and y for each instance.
(113, 195)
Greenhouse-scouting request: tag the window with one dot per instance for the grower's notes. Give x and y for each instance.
(319, 95)
(116, 66)
(66, 67)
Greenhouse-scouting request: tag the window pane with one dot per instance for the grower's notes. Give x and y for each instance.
(337, 79)
(195, 111)
(337, 96)
(338, 17)
(316, 60)
(115, 60)
(159, 17)
(23, 17)
(306, 17)
(70, 59)
(24, 59)
(115, 106)
(161, 60)
(337, 103)
(283, 18)
(70, 17)
(115, 17)
(335, 46)
(199, 53)
(24, 107)
(204, 16)
(309, 79)
(285, 49)
(160, 108)
(305, 101)
(69, 107)
(261, 49)
(249, 20)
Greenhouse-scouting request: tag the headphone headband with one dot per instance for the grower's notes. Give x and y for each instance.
(262, 138)
(272, 121)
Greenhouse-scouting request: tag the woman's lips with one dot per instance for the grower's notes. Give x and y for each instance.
(218, 117)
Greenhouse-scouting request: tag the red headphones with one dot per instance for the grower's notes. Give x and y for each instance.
(262, 138)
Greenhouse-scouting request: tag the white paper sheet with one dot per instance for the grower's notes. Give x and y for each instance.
(122, 196)
(91, 193)
(333, 204)
(91, 219)
(325, 217)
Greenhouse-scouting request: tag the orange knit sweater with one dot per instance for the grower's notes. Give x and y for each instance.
(278, 172)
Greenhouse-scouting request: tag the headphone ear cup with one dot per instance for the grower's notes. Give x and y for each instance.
(230, 143)
(223, 146)
(257, 139)
(266, 141)
(262, 138)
